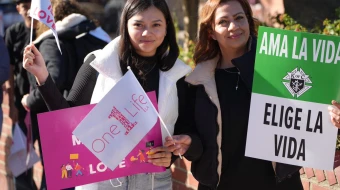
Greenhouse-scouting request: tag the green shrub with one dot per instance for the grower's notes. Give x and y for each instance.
(329, 27)
(187, 55)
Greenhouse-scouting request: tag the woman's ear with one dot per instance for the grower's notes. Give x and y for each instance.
(212, 36)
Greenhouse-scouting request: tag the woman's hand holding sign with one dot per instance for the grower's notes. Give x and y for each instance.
(160, 156)
(34, 63)
(334, 111)
(178, 144)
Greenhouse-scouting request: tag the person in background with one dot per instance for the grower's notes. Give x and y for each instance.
(78, 36)
(4, 74)
(112, 11)
(17, 36)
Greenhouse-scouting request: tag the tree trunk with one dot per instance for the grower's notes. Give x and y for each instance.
(190, 9)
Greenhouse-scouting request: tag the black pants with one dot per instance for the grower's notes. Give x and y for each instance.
(25, 181)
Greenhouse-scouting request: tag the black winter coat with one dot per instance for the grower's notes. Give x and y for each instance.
(62, 67)
(204, 150)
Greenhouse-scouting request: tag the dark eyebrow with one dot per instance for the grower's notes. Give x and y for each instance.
(225, 17)
(242, 13)
(159, 20)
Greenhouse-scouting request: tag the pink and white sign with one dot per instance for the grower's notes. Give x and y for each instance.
(118, 122)
(68, 163)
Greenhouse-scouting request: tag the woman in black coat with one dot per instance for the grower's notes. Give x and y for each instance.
(78, 36)
(222, 86)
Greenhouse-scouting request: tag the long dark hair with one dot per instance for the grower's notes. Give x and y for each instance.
(133, 7)
(206, 47)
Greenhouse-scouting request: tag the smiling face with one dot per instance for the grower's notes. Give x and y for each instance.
(231, 27)
(147, 30)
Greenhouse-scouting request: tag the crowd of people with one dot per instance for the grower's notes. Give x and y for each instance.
(24, 98)
(206, 109)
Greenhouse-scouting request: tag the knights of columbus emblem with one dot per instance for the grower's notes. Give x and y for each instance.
(297, 83)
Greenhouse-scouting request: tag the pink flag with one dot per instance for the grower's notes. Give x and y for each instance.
(42, 11)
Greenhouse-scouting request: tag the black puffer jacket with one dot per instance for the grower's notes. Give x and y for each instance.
(75, 43)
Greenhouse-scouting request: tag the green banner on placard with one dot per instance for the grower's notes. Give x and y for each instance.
(295, 65)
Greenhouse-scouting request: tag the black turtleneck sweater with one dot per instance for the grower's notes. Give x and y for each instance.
(146, 71)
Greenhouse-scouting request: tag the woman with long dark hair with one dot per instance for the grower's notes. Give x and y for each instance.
(148, 45)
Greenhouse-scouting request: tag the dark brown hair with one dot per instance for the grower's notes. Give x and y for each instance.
(206, 47)
(62, 9)
(133, 7)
